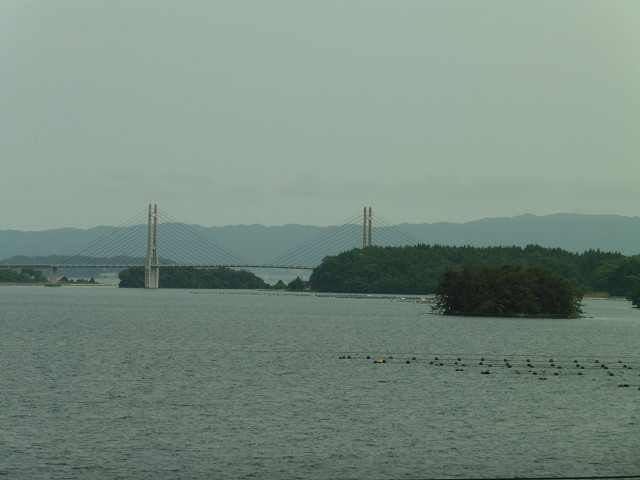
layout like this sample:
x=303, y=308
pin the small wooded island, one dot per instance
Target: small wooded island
x=507, y=291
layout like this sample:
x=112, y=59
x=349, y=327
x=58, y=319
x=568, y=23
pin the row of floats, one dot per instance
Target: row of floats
x=539, y=367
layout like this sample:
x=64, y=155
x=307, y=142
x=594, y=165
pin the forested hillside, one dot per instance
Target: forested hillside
x=419, y=269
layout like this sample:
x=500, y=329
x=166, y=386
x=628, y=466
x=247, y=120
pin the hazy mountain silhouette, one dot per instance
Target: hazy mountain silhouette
x=258, y=243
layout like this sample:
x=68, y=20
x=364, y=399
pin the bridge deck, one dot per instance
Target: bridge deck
x=14, y=266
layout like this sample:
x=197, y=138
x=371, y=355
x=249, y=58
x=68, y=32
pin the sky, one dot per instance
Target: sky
x=276, y=112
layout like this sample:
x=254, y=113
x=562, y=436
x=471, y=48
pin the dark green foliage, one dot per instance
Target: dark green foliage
x=507, y=291
x=26, y=275
x=379, y=270
x=419, y=269
x=617, y=276
x=191, y=277
x=296, y=285
x=634, y=296
x=132, y=278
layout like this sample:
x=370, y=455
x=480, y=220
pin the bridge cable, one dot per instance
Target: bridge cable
x=190, y=245
x=397, y=232
x=104, y=244
x=342, y=239
x=200, y=242
x=314, y=242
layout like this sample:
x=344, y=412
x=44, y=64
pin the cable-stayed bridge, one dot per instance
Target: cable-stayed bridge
x=155, y=240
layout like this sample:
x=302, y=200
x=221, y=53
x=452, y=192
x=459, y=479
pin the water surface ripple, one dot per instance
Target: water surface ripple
x=112, y=383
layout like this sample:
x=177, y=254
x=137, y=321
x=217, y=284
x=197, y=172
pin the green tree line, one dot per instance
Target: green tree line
x=191, y=277
x=26, y=275
x=420, y=269
x=209, y=278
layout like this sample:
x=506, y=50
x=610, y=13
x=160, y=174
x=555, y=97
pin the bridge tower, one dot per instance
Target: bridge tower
x=152, y=268
x=367, y=228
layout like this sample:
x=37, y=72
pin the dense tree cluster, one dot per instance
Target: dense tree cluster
x=419, y=269
x=296, y=285
x=634, y=296
x=26, y=275
x=210, y=278
x=408, y=270
x=508, y=291
x=191, y=277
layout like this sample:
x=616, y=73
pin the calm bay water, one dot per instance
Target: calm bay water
x=100, y=382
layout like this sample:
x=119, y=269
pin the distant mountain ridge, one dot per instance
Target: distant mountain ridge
x=571, y=232
x=258, y=243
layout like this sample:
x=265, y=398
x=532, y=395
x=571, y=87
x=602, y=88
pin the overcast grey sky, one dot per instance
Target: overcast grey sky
x=275, y=112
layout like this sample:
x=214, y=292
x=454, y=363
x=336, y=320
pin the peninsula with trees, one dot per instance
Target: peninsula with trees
x=420, y=269
x=513, y=281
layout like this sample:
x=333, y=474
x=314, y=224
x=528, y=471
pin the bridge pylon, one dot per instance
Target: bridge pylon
x=152, y=267
x=367, y=228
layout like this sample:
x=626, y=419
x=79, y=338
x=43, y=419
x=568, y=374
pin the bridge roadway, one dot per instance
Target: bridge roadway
x=53, y=268
x=39, y=266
